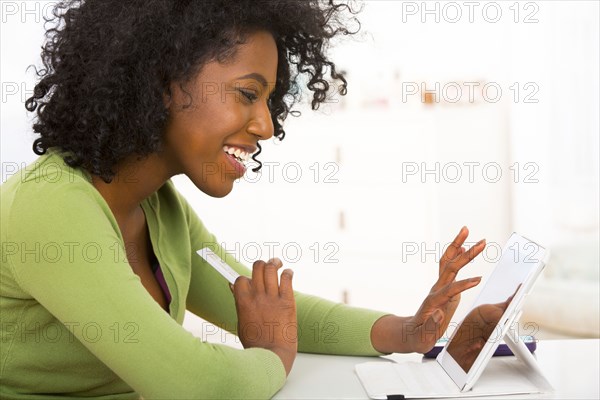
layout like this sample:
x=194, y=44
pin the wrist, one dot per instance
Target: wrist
x=287, y=357
x=393, y=334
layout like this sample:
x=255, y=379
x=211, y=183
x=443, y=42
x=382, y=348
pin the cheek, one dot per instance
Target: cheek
x=203, y=130
x=212, y=120
x=178, y=134
x=185, y=129
x=223, y=118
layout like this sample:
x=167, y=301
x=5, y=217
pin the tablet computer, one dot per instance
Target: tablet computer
x=496, y=308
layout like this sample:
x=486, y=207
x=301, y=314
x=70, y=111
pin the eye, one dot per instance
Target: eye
x=252, y=97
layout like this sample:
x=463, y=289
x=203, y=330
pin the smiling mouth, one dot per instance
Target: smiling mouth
x=237, y=158
x=239, y=155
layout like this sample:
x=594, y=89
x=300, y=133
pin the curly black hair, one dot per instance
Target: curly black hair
x=109, y=63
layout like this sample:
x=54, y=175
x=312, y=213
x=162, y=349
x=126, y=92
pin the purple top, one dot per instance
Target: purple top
x=160, y=278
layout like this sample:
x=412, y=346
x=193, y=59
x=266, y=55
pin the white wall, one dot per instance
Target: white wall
x=560, y=133
x=21, y=36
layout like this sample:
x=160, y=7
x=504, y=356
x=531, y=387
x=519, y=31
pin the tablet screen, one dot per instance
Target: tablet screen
x=518, y=260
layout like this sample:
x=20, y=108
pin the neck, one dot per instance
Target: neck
x=135, y=180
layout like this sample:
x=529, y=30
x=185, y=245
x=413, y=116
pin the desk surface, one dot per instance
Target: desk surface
x=571, y=366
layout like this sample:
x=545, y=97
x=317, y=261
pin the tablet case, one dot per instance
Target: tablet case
x=501, y=376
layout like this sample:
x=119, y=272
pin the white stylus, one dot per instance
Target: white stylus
x=217, y=263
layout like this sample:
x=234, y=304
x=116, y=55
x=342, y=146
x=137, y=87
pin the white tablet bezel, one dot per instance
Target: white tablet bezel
x=464, y=380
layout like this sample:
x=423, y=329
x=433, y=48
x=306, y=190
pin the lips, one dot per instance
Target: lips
x=238, y=155
x=237, y=164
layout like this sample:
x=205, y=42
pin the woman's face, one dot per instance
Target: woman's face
x=228, y=114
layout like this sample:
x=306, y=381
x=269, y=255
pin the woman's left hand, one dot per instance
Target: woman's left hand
x=420, y=332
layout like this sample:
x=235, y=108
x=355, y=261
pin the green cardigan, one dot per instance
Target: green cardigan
x=76, y=321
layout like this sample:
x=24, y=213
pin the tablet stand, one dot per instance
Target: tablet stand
x=520, y=350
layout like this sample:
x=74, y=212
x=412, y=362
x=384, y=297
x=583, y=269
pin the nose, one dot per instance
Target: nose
x=261, y=124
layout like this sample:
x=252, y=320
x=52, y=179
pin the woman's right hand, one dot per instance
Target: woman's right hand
x=266, y=311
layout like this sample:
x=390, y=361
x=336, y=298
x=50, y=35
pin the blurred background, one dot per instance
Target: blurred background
x=484, y=114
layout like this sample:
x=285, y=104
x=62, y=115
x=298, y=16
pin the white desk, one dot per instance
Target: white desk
x=571, y=366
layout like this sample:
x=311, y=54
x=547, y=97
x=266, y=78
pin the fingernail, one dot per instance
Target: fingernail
x=289, y=272
x=437, y=316
x=476, y=279
x=481, y=241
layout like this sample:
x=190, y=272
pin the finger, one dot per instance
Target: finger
x=451, y=270
x=458, y=287
x=444, y=295
x=473, y=251
x=458, y=254
x=285, y=288
x=271, y=278
x=454, y=247
x=435, y=320
x=467, y=256
x=258, y=272
x=241, y=287
x=430, y=331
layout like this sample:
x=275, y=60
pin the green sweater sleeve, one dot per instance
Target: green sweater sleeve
x=323, y=326
x=65, y=253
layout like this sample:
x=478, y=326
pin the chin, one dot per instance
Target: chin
x=216, y=185
x=218, y=195
x=216, y=192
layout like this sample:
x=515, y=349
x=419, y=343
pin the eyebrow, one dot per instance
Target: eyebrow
x=261, y=79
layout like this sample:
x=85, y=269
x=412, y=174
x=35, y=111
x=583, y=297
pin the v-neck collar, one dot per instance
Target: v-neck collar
x=154, y=233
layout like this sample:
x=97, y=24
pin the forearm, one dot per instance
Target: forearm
x=327, y=327
x=391, y=334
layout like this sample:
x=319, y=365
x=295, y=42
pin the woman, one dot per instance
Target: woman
x=99, y=262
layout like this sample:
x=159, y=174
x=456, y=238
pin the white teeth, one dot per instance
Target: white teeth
x=239, y=154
